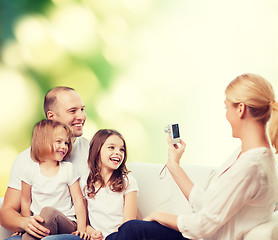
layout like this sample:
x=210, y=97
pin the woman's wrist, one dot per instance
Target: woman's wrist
x=172, y=165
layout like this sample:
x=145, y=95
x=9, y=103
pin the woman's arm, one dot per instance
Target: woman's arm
x=166, y=219
x=26, y=199
x=79, y=206
x=175, y=153
x=130, y=206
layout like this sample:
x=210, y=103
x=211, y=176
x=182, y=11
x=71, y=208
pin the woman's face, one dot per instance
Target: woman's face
x=112, y=153
x=232, y=117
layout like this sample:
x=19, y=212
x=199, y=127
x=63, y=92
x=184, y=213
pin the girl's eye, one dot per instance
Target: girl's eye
x=58, y=141
x=111, y=147
x=122, y=150
x=67, y=143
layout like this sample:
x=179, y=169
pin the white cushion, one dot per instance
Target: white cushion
x=154, y=193
x=265, y=231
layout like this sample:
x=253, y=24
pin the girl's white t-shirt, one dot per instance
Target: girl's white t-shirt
x=106, y=208
x=51, y=191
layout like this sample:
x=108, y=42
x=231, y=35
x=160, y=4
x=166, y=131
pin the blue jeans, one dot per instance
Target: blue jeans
x=62, y=237
x=16, y=237
x=51, y=237
x=143, y=230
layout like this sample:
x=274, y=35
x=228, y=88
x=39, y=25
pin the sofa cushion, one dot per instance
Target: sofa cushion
x=268, y=230
x=154, y=192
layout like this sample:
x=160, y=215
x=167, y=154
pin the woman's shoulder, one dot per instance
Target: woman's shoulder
x=258, y=155
x=257, y=161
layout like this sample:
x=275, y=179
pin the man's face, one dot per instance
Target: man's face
x=69, y=109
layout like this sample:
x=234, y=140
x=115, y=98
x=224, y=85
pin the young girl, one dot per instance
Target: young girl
x=110, y=191
x=50, y=187
x=242, y=194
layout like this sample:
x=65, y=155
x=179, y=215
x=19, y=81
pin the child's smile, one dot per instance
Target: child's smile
x=112, y=153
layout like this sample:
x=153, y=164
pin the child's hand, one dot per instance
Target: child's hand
x=81, y=234
x=17, y=233
x=94, y=234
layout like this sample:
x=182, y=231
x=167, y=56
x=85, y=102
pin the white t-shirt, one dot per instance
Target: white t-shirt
x=51, y=191
x=78, y=158
x=106, y=208
x=240, y=196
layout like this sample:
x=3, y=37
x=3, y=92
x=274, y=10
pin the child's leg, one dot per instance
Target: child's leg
x=56, y=221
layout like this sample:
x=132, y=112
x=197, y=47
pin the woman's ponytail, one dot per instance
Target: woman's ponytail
x=273, y=125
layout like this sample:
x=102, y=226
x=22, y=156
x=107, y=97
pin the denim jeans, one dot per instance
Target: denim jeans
x=143, y=230
x=16, y=237
x=51, y=237
x=62, y=237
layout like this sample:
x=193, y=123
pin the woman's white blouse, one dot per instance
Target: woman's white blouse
x=236, y=200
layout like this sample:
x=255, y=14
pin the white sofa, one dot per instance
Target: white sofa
x=163, y=195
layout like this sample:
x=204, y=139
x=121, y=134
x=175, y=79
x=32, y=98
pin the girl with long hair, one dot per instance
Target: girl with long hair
x=110, y=191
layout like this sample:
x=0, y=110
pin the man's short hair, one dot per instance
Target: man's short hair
x=51, y=97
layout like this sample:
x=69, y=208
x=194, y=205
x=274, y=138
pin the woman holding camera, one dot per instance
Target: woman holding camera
x=243, y=193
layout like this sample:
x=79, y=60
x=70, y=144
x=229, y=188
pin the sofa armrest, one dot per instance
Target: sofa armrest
x=4, y=233
x=265, y=231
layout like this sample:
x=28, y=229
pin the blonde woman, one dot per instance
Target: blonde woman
x=243, y=193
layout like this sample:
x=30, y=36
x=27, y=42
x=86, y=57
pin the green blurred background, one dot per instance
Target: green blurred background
x=137, y=64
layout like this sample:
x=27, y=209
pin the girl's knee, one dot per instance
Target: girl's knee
x=49, y=213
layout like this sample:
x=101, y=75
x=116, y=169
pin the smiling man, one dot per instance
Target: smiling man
x=62, y=104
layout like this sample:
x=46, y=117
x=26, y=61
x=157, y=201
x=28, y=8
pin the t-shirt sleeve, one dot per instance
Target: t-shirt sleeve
x=28, y=173
x=21, y=163
x=132, y=184
x=72, y=173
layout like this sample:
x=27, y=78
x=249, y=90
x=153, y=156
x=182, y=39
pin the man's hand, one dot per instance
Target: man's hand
x=32, y=226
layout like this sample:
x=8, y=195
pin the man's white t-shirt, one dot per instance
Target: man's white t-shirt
x=78, y=158
x=106, y=208
x=51, y=191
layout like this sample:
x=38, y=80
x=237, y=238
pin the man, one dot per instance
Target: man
x=61, y=104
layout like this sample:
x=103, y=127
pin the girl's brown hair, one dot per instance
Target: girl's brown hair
x=42, y=139
x=117, y=180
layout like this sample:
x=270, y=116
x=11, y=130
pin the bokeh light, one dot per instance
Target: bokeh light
x=137, y=65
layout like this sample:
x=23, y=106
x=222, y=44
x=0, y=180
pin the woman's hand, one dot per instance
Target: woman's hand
x=165, y=219
x=151, y=217
x=175, y=151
